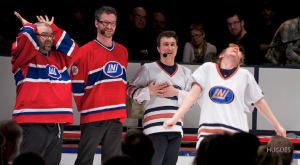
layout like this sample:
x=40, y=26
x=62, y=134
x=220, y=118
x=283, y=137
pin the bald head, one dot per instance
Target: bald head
x=139, y=17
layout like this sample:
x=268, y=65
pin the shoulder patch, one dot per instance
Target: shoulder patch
x=74, y=70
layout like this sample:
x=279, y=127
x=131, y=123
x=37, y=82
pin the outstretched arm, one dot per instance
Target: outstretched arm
x=187, y=103
x=265, y=110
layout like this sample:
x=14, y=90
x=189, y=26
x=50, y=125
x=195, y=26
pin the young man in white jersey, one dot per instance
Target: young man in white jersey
x=161, y=87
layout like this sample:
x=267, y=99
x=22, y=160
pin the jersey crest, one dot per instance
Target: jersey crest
x=221, y=95
x=113, y=69
x=53, y=71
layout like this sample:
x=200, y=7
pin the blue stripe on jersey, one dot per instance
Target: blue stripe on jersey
x=78, y=87
x=158, y=124
x=220, y=125
x=65, y=44
x=42, y=73
x=100, y=76
x=19, y=76
x=42, y=113
x=160, y=108
x=103, y=110
x=31, y=32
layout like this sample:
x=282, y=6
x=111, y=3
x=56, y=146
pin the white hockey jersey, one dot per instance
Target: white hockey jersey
x=224, y=101
x=158, y=110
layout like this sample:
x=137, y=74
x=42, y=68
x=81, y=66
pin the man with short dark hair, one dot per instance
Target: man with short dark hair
x=161, y=86
x=99, y=89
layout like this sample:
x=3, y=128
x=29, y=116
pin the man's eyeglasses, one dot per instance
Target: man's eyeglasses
x=196, y=35
x=234, y=23
x=44, y=36
x=106, y=23
x=140, y=17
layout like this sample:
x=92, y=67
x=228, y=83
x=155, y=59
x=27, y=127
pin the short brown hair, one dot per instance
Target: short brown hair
x=168, y=34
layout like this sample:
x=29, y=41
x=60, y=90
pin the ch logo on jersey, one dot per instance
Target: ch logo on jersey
x=174, y=97
x=221, y=95
x=113, y=69
x=53, y=71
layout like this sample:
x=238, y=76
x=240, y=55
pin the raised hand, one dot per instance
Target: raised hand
x=46, y=20
x=23, y=21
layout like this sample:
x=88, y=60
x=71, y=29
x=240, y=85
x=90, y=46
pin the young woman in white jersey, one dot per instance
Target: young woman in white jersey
x=227, y=92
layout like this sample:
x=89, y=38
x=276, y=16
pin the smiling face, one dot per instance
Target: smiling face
x=168, y=45
x=106, y=23
x=235, y=25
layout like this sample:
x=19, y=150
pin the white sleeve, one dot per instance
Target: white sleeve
x=182, y=93
x=253, y=93
x=138, y=88
x=199, y=75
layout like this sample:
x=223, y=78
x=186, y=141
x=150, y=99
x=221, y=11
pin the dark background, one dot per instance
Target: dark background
x=179, y=15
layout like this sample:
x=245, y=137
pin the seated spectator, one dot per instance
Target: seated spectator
x=249, y=44
x=198, y=50
x=223, y=145
x=30, y=158
x=264, y=157
x=138, y=146
x=10, y=140
x=120, y=160
x=249, y=143
x=77, y=29
x=136, y=38
x=285, y=46
x=283, y=146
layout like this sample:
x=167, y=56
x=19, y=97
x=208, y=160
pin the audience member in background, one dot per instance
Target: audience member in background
x=286, y=43
x=265, y=157
x=266, y=27
x=137, y=39
x=10, y=139
x=198, y=50
x=221, y=145
x=29, y=158
x=283, y=146
x=138, y=146
x=249, y=143
x=250, y=45
x=120, y=160
x=77, y=28
x=158, y=24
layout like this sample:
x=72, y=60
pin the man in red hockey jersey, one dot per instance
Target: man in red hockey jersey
x=99, y=89
x=44, y=96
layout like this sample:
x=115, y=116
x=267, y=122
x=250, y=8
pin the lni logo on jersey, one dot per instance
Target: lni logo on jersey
x=221, y=95
x=53, y=71
x=113, y=69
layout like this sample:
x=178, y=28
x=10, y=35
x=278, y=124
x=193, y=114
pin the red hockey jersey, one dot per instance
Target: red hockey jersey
x=43, y=83
x=99, y=82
